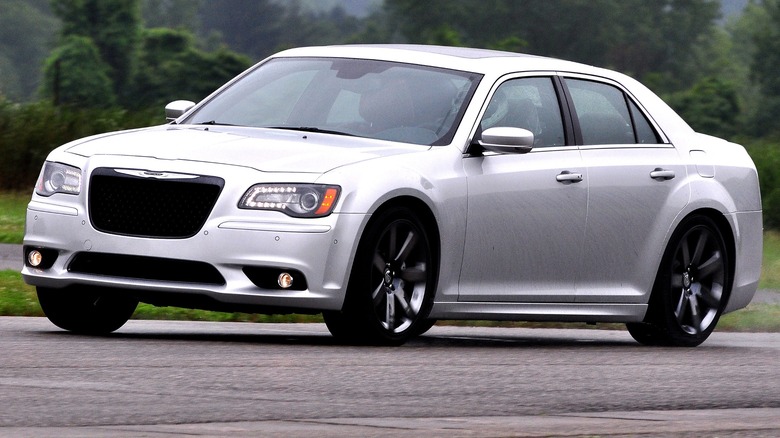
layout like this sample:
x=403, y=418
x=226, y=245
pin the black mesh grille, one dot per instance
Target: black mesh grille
x=145, y=268
x=151, y=207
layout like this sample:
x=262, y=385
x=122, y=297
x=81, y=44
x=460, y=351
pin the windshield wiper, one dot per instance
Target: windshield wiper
x=311, y=129
x=215, y=123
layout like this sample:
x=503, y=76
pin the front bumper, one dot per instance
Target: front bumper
x=232, y=243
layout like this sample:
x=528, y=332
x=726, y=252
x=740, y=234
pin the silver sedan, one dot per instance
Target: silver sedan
x=388, y=187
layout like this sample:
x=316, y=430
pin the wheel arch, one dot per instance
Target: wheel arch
x=424, y=212
x=426, y=215
x=726, y=230
x=354, y=321
x=669, y=319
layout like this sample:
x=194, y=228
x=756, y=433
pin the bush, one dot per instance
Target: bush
x=29, y=132
x=766, y=156
x=76, y=75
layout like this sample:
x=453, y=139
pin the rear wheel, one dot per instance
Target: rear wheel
x=86, y=310
x=392, y=282
x=691, y=288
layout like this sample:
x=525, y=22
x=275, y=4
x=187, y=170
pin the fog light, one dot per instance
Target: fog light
x=285, y=280
x=34, y=258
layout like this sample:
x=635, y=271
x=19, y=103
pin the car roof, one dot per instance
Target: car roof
x=482, y=61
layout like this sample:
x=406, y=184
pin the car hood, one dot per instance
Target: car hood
x=268, y=150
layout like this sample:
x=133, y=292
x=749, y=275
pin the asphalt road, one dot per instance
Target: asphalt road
x=163, y=378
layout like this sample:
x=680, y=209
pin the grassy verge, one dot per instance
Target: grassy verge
x=17, y=298
x=753, y=318
x=770, y=268
x=12, y=211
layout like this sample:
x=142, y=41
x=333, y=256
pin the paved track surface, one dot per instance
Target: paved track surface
x=163, y=378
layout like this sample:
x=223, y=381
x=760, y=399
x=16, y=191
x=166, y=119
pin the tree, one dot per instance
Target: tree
x=26, y=32
x=76, y=75
x=113, y=25
x=647, y=39
x=656, y=41
x=764, y=68
x=253, y=27
x=172, y=67
x=711, y=106
x=175, y=14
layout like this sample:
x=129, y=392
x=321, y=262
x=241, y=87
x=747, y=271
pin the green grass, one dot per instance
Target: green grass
x=753, y=318
x=770, y=269
x=12, y=213
x=19, y=299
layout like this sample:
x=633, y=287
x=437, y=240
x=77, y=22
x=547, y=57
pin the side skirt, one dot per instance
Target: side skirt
x=552, y=312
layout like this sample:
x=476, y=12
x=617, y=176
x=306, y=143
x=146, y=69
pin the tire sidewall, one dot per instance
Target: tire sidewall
x=359, y=302
x=663, y=300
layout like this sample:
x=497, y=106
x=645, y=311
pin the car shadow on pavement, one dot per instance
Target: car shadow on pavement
x=462, y=339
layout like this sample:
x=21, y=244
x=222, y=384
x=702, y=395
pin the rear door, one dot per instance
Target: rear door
x=637, y=186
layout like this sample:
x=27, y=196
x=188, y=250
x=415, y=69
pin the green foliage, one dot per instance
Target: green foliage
x=113, y=26
x=173, y=68
x=17, y=298
x=766, y=156
x=13, y=206
x=26, y=33
x=76, y=75
x=29, y=132
x=765, y=67
x=638, y=37
x=259, y=28
x=174, y=14
x=711, y=106
x=770, y=268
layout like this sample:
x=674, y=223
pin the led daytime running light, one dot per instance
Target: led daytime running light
x=297, y=200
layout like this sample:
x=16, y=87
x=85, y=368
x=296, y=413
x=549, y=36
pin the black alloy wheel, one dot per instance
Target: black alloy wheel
x=392, y=283
x=691, y=289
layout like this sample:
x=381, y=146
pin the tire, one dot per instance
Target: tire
x=691, y=288
x=86, y=310
x=392, y=282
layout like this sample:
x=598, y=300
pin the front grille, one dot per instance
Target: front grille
x=150, y=207
x=145, y=268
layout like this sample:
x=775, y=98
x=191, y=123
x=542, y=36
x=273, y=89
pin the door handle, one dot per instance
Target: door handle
x=662, y=174
x=568, y=177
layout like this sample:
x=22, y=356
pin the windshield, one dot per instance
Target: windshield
x=374, y=99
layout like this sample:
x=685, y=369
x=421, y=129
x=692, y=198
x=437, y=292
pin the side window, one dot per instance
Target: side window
x=644, y=131
x=606, y=116
x=528, y=103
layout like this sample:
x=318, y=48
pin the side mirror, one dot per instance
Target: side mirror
x=507, y=140
x=176, y=108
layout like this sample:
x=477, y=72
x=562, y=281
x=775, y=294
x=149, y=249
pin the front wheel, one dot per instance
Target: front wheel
x=392, y=282
x=691, y=288
x=86, y=310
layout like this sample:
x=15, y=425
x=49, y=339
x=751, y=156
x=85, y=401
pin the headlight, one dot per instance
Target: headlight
x=297, y=200
x=58, y=178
